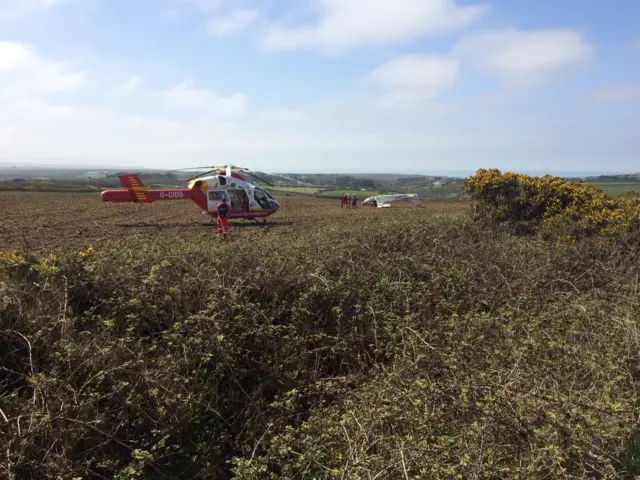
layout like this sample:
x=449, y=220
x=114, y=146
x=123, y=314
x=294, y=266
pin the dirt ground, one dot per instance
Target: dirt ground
x=51, y=221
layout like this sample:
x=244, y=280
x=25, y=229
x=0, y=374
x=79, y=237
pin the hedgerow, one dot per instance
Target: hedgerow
x=391, y=348
x=573, y=208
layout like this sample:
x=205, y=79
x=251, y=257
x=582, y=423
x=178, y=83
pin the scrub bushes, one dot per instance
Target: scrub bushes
x=550, y=204
x=392, y=347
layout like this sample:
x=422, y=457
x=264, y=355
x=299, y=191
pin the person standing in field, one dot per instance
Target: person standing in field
x=354, y=201
x=223, y=209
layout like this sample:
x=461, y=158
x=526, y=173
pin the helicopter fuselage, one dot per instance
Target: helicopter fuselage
x=247, y=201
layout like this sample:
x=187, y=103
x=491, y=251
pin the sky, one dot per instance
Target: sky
x=405, y=86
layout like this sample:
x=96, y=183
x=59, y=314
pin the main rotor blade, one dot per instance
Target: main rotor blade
x=203, y=174
x=208, y=167
x=246, y=170
x=232, y=168
x=281, y=176
x=290, y=179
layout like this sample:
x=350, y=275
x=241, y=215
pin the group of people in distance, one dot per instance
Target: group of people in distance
x=349, y=201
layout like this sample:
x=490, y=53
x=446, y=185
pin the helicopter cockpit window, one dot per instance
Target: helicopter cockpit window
x=261, y=198
x=216, y=196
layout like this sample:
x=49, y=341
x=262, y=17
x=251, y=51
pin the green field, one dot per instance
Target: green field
x=303, y=190
x=617, y=188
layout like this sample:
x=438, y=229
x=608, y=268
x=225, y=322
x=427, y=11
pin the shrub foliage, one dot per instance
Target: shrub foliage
x=396, y=348
x=572, y=207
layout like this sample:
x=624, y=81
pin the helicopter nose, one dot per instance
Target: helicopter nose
x=275, y=205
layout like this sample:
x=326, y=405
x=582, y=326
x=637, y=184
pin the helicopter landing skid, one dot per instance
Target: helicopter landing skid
x=257, y=221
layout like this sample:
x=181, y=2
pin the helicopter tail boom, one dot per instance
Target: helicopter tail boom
x=135, y=192
x=135, y=195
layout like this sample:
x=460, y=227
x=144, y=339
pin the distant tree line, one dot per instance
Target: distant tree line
x=617, y=178
x=351, y=183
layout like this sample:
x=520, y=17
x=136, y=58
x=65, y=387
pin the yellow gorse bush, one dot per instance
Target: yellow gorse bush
x=552, y=202
x=87, y=253
x=10, y=257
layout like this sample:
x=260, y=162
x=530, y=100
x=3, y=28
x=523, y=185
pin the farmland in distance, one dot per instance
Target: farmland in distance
x=618, y=188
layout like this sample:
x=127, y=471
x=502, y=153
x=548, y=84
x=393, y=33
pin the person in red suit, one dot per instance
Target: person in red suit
x=223, y=209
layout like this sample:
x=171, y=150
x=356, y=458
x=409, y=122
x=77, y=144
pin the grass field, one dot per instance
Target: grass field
x=436, y=193
x=401, y=343
x=360, y=194
x=42, y=220
x=616, y=188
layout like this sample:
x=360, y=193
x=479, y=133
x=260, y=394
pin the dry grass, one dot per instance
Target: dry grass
x=400, y=343
x=44, y=221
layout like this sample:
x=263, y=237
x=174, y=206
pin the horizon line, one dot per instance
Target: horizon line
x=446, y=173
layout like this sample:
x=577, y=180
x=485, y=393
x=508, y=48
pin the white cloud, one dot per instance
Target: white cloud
x=59, y=78
x=350, y=23
x=413, y=78
x=234, y=22
x=525, y=58
x=128, y=86
x=616, y=94
x=11, y=9
x=428, y=74
x=34, y=126
x=24, y=70
x=185, y=98
x=16, y=56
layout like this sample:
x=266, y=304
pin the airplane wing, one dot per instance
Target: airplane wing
x=386, y=199
x=382, y=201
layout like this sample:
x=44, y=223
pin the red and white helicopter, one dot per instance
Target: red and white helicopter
x=206, y=190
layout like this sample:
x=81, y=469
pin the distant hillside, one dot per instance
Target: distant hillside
x=427, y=186
x=633, y=177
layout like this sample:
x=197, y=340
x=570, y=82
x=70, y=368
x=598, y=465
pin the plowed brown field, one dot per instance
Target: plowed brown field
x=45, y=221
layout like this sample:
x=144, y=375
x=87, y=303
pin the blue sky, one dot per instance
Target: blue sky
x=322, y=85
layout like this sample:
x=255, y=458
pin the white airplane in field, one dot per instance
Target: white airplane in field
x=384, y=201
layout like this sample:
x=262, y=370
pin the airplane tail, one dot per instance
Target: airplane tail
x=133, y=183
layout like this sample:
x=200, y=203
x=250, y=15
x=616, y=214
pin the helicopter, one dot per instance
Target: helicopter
x=383, y=201
x=206, y=190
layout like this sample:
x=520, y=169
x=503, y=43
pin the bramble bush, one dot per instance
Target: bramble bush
x=391, y=347
x=550, y=204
